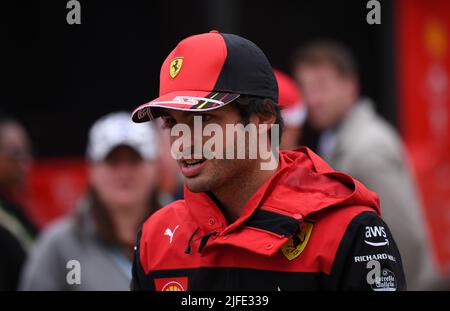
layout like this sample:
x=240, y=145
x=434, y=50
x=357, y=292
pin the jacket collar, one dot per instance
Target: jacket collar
x=209, y=216
x=303, y=185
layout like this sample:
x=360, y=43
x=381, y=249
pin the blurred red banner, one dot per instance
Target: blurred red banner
x=54, y=187
x=423, y=58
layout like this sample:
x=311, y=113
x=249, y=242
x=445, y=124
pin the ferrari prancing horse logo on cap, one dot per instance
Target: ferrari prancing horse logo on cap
x=175, y=66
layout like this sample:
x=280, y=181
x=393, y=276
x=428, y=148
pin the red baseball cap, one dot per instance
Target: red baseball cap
x=208, y=71
x=293, y=109
x=289, y=93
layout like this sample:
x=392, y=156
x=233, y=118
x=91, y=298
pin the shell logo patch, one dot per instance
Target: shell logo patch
x=178, y=284
x=295, y=246
x=173, y=287
x=175, y=66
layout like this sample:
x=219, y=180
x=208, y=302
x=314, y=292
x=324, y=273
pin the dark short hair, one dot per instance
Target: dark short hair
x=326, y=52
x=248, y=105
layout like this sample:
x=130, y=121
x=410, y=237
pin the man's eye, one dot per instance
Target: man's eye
x=168, y=123
x=206, y=117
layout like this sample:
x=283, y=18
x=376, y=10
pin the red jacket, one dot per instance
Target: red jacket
x=308, y=227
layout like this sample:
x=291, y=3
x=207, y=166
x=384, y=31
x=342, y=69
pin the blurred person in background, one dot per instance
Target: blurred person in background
x=11, y=260
x=16, y=230
x=171, y=180
x=292, y=108
x=123, y=192
x=15, y=160
x=356, y=140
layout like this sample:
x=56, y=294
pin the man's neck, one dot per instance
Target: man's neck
x=233, y=196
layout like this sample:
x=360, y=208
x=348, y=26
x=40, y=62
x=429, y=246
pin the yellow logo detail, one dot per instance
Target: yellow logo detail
x=175, y=66
x=436, y=38
x=295, y=246
x=173, y=287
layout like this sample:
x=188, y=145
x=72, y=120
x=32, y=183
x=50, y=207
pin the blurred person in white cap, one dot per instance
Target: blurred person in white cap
x=97, y=240
x=293, y=110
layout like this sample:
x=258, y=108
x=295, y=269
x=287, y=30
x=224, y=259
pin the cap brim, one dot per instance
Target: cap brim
x=294, y=116
x=183, y=100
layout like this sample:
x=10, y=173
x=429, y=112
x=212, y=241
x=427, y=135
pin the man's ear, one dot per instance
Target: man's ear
x=351, y=85
x=268, y=119
x=268, y=116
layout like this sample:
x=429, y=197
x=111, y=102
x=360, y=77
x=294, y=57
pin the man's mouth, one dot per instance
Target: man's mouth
x=191, y=167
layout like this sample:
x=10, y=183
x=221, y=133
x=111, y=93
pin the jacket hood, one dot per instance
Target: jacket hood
x=306, y=184
x=303, y=185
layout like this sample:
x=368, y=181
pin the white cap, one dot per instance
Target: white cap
x=294, y=116
x=117, y=129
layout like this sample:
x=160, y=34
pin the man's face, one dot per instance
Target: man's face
x=203, y=174
x=15, y=155
x=327, y=93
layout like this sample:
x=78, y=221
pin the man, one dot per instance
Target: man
x=355, y=140
x=15, y=158
x=297, y=225
x=16, y=230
